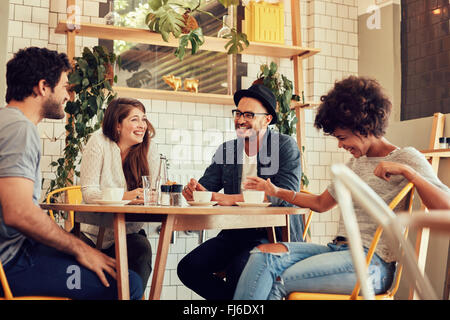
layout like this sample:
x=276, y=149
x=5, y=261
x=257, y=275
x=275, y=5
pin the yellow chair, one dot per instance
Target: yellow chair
x=9, y=296
x=73, y=196
x=308, y=221
x=389, y=295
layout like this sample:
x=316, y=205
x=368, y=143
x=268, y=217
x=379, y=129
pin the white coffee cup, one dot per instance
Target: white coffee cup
x=112, y=194
x=253, y=196
x=202, y=196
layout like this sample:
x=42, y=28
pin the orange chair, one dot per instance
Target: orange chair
x=73, y=196
x=389, y=295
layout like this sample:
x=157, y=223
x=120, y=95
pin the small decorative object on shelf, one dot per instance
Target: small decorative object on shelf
x=172, y=81
x=112, y=17
x=442, y=143
x=264, y=21
x=191, y=85
x=225, y=30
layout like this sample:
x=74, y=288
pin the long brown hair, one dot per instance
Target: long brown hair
x=136, y=162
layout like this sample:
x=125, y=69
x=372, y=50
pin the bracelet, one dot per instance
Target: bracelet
x=293, y=196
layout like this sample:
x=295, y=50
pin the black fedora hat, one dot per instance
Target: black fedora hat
x=262, y=94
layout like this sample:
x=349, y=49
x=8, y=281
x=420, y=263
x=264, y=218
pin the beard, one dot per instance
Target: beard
x=52, y=109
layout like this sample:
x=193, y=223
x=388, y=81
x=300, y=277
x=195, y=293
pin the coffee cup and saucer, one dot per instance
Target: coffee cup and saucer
x=202, y=199
x=112, y=196
x=253, y=198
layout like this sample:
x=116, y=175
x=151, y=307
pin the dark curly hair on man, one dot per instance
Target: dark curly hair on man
x=29, y=66
x=357, y=104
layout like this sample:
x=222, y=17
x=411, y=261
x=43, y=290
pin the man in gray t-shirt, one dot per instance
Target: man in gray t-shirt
x=39, y=257
x=20, y=156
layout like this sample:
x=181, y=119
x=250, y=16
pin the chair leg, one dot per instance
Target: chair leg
x=100, y=236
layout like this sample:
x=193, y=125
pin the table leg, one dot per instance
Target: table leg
x=161, y=257
x=120, y=238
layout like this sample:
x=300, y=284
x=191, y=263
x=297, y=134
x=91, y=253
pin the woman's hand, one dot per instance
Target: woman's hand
x=386, y=169
x=257, y=183
x=136, y=195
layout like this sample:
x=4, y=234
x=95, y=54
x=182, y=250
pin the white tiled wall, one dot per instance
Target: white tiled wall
x=188, y=133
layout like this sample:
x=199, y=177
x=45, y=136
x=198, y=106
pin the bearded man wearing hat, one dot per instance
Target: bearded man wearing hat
x=257, y=151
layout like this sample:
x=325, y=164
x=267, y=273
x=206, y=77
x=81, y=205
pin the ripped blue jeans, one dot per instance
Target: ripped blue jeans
x=307, y=267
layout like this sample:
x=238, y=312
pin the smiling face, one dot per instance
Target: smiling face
x=246, y=128
x=356, y=144
x=132, y=128
x=53, y=106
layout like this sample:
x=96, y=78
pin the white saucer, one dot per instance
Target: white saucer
x=201, y=204
x=249, y=204
x=113, y=202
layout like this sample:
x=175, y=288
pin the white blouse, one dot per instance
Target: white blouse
x=101, y=167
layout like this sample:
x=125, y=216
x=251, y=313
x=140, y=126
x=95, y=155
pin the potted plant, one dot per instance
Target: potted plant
x=176, y=17
x=91, y=80
x=282, y=88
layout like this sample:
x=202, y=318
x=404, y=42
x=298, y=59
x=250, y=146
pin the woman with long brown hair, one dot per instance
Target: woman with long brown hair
x=119, y=155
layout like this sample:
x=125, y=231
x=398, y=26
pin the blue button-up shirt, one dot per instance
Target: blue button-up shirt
x=277, y=159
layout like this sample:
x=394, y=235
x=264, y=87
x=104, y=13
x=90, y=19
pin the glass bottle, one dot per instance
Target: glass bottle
x=112, y=17
x=225, y=29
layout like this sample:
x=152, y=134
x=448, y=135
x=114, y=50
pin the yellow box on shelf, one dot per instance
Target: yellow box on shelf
x=264, y=22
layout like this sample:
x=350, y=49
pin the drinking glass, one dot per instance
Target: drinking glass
x=150, y=191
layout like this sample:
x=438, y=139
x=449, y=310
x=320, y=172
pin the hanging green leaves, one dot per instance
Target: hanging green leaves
x=91, y=80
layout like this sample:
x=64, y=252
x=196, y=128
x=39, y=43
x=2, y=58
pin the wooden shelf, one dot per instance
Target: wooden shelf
x=442, y=153
x=185, y=96
x=306, y=105
x=211, y=43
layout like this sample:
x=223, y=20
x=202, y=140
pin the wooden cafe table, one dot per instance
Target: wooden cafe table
x=173, y=219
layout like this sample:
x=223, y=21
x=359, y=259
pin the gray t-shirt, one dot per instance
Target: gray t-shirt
x=20, y=153
x=387, y=190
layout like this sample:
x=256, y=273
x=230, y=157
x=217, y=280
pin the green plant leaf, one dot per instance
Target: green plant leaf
x=237, y=40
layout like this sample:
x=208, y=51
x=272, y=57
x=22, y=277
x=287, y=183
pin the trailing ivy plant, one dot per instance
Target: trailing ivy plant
x=282, y=88
x=91, y=80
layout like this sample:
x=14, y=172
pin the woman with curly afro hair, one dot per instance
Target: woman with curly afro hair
x=356, y=112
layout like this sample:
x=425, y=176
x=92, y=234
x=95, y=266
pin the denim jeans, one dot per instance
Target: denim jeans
x=41, y=270
x=307, y=267
x=229, y=252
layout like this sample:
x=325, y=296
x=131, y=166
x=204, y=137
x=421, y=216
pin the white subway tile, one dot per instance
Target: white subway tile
x=15, y=28
x=40, y=15
x=58, y=6
x=31, y=30
x=22, y=13
x=20, y=43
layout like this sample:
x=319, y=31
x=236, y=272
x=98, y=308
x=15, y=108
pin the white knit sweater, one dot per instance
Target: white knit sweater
x=101, y=167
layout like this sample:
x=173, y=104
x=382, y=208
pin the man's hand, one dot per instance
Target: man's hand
x=192, y=186
x=96, y=261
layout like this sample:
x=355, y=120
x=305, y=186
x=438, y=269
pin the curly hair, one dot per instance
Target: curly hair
x=357, y=104
x=31, y=65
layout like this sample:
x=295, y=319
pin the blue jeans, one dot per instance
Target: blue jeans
x=307, y=267
x=41, y=270
x=229, y=252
